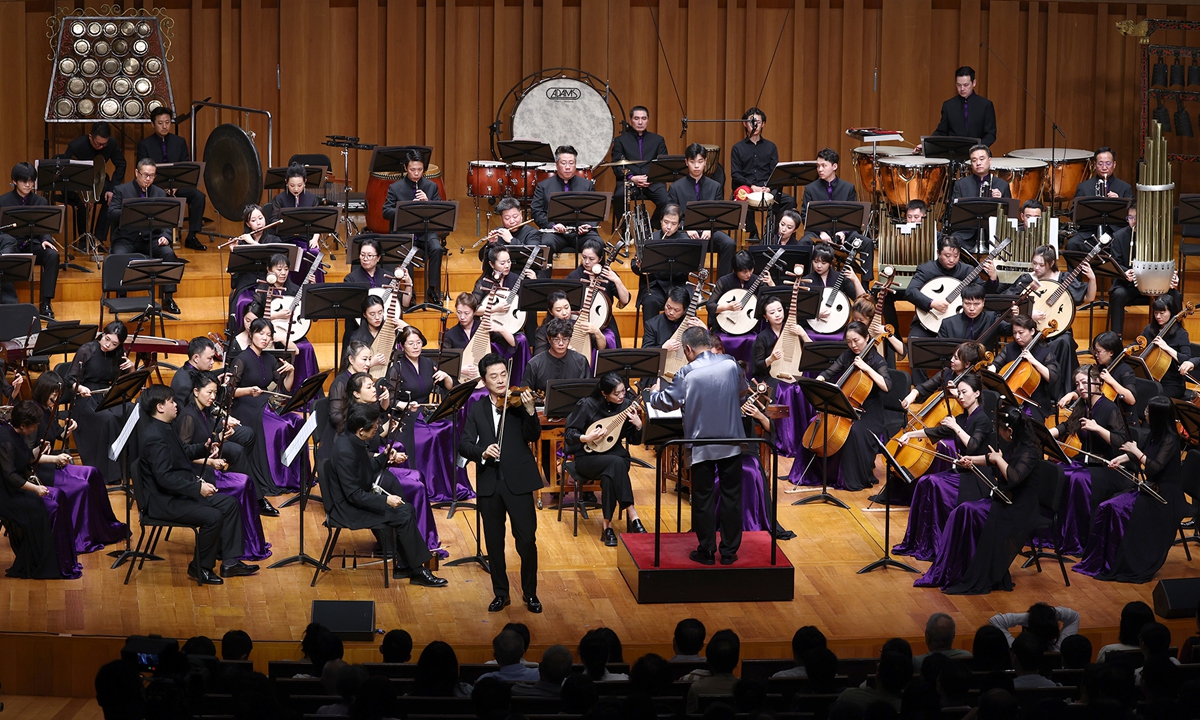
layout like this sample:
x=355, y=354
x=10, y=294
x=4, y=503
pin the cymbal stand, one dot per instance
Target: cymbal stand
x=345, y=144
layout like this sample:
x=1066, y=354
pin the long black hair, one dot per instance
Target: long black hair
x=1163, y=302
x=1016, y=421
x=1160, y=415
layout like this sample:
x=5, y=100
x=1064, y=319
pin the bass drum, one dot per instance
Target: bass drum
x=377, y=189
x=564, y=111
x=863, y=160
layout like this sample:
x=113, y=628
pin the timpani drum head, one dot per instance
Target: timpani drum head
x=562, y=111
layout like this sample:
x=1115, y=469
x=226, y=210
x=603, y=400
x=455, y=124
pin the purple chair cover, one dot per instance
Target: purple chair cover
x=414, y=492
x=519, y=356
x=1108, y=528
x=280, y=432
x=956, y=544
x=84, y=507
x=756, y=496
x=741, y=347
x=933, y=498
x=239, y=487
x=63, y=534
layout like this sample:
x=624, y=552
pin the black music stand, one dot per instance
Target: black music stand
x=535, y=296
x=563, y=395
x=792, y=256
x=422, y=217
x=33, y=222
x=578, y=208
x=393, y=247
x=64, y=176
x=797, y=173
x=173, y=176
x=452, y=401
x=995, y=383
x=391, y=158
x=973, y=215
x=631, y=362
x=276, y=178
x=152, y=273
x=899, y=470
x=124, y=390
x=17, y=267
x=333, y=301
x=676, y=258
x=714, y=215
x=299, y=401
x=62, y=339
x=525, y=151
x=808, y=306
x=955, y=148
x=1094, y=211
x=834, y=216
x=666, y=169
x=827, y=399
x=309, y=221
x=1003, y=303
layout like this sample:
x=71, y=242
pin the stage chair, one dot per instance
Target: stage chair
x=1050, y=478
x=331, y=496
x=110, y=284
x=578, y=485
x=156, y=527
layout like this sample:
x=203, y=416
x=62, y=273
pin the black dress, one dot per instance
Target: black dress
x=254, y=370
x=981, y=428
x=858, y=454
x=97, y=430
x=25, y=515
x=764, y=345
x=1044, y=394
x=1172, y=382
x=1150, y=532
x=612, y=465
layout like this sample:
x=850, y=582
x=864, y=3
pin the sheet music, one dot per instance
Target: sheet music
x=654, y=413
x=300, y=441
x=115, y=451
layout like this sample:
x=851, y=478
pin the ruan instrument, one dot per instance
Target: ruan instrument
x=295, y=327
x=1157, y=360
x=834, y=300
x=857, y=385
x=990, y=484
x=1053, y=297
x=742, y=321
x=675, y=359
x=787, y=368
x=950, y=290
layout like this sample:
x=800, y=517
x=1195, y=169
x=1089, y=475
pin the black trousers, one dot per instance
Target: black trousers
x=220, y=528
x=704, y=517
x=567, y=242
x=244, y=455
x=124, y=244
x=196, y=203
x=431, y=246
x=724, y=247
x=613, y=472
x=403, y=543
x=493, y=510
x=48, y=258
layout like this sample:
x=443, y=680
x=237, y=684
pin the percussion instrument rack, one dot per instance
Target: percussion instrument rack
x=345, y=144
x=1147, y=91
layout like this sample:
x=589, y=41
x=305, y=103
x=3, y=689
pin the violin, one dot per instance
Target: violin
x=857, y=385
x=512, y=397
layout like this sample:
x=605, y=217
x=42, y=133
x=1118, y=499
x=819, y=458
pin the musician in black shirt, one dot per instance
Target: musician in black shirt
x=656, y=285
x=558, y=361
x=827, y=186
x=512, y=231
x=975, y=322
x=1040, y=357
x=166, y=147
x=564, y=179
x=981, y=183
x=415, y=187
x=697, y=186
x=44, y=251
x=968, y=114
x=98, y=142
x=1105, y=184
x=947, y=265
x=154, y=244
x=751, y=162
x=638, y=143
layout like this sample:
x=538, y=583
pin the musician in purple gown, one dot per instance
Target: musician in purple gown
x=415, y=378
x=86, y=513
x=97, y=365
x=37, y=527
x=500, y=275
x=611, y=285
x=741, y=347
x=610, y=466
x=786, y=392
x=257, y=372
x=560, y=307
x=296, y=196
x=230, y=472
x=260, y=304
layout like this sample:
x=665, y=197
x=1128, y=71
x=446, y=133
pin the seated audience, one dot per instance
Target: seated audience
x=939, y=637
x=507, y=648
x=396, y=647
x=1051, y=624
x=1027, y=654
x=437, y=672
x=688, y=640
x=894, y=673
x=1076, y=652
x=723, y=652
x=804, y=641
x=552, y=671
x=1133, y=617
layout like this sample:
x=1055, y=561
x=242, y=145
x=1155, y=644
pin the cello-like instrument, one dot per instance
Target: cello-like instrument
x=857, y=385
x=1021, y=377
x=1157, y=360
x=915, y=455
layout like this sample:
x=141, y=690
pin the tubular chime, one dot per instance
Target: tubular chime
x=1154, y=263
x=1024, y=242
x=905, y=251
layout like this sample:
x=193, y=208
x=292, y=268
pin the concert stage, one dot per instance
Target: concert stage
x=678, y=579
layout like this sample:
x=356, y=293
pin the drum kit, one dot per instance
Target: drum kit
x=492, y=180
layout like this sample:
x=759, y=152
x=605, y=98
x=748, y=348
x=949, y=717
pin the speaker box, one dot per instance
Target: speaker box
x=1176, y=598
x=348, y=619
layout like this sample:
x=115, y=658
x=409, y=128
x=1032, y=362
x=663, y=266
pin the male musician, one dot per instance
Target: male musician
x=506, y=476
x=1123, y=291
x=827, y=186
x=202, y=355
x=97, y=143
x=415, y=187
x=511, y=232
x=751, y=162
x=638, y=143
x=968, y=114
x=173, y=492
x=741, y=278
x=658, y=285
x=45, y=253
x=155, y=244
x=948, y=265
x=165, y=146
x=590, y=255
x=698, y=186
x=563, y=180
x=709, y=389
x=1105, y=184
x=558, y=361
x=981, y=183
x=661, y=327
x=974, y=322
x=366, y=495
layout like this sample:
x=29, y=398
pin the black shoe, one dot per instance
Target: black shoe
x=702, y=557
x=432, y=295
x=728, y=559
x=533, y=604
x=589, y=497
x=46, y=310
x=499, y=603
x=266, y=508
x=168, y=305
x=203, y=575
x=635, y=526
x=424, y=578
x=1188, y=524
x=192, y=243
x=400, y=573
x=240, y=569
x=608, y=537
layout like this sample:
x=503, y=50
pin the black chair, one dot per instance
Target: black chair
x=1143, y=390
x=578, y=486
x=16, y=320
x=331, y=496
x=901, y=383
x=1049, y=479
x=110, y=284
x=156, y=526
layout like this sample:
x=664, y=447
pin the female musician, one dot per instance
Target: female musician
x=38, y=531
x=863, y=311
x=822, y=275
x=97, y=365
x=257, y=372
x=1024, y=330
x=756, y=493
x=1133, y=532
x=81, y=496
x=1105, y=347
x=937, y=494
x=610, y=466
x=982, y=538
x=964, y=357
x=471, y=320
x=589, y=259
x=560, y=307
x=500, y=270
x=415, y=378
x=230, y=473
x=253, y=222
x=361, y=389
x=785, y=392
x=298, y=197
x=858, y=459
x=357, y=359
x=368, y=329
x=741, y=278
x=1177, y=344
x=306, y=355
x=369, y=271
x=789, y=223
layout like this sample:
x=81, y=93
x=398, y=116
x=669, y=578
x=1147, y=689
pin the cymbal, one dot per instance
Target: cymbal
x=621, y=163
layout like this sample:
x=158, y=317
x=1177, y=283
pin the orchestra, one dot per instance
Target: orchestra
x=211, y=444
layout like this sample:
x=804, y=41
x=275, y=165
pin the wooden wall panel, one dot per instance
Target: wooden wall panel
x=434, y=71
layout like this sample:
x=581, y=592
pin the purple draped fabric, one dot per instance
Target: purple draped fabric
x=787, y=432
x=956, y=544
x=1075, y=511
x=756, y=496
x=84, y=506
x=239, y=487
x=802, y=414
x=1108, y=527
x=610, y=341
x=519, y=356
x=741, y=347
x=414, y=492
x=434, y=457
x=933, y=498
x=280, y=432
x=63, y=533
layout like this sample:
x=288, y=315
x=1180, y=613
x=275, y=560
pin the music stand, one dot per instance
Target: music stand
x=333, y=301
x=124, y=390
x=631, y=362
x=578, y=208
x=995, y=383
x=62, y=338
x=1003, y=303
x=666, y=169
x=808, y=306
x=563, y=395
x=827, y=399
x=64, y=176
x=420, y=218
x=255, y=258
x=525, y=151
x=17, y=267
x=309, y=221
x=450, y=362
x=932, y=353
x=1049, y=444
x=172, y=176
x=393, y=247
x=535, y=297
x=1096, y=211
x=299, y=400
x=32, y=223
x=276, y=178
x=714, y=215
x=887, y=560
x=390, y=158
x=834, y=216
x=452, y=401
x=151, y=273
x=792, y=256
x=676, y=258
x=793, y=174
x=955, y=148
x=974, y=215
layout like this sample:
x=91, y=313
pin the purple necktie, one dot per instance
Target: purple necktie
x=143, y=192
x=697, y=189
x=965, y=106
x=641, y=155
x=566, y=186
x=164, y=146
x=829, y=187
x=971, y=328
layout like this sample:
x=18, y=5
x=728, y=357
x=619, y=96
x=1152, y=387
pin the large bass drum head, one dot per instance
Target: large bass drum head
x=561, y=111
x=233, y=174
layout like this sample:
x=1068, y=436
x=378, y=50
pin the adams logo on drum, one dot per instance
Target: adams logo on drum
x=563, y=93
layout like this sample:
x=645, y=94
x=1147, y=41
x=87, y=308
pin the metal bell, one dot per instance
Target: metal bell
x=1158, y=76
x=1177, y=73
x=1162, y=116
x=1183, y=122
x=1193, y=73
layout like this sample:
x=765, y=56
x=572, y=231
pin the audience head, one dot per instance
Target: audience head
x=593, y=653
x=897, y=645
x=954, y=681
x=1110, y=681
x=650, y=675
x=349, y=682
x=1134, y=616
x=939, y=632
x=1027, y=652
x=1154, y=639
x=119, y=691
x=998, y=704
x=723, y=651
x=396, y=647
x=1160, y=678
x=376, y=700
x=328, y=647
x=491, y=698
x=1043, y=623
x=507, y=648
x=989, y=650
x=578, y=693
x=1076, y=652
x=555, y=665
x=437, y=670
x=894, y=673
x=821, y=664
x=749, y=696
x=236, y=645
x=523, y=630
x=615, y=653
x=199, y=645
x=805, y=640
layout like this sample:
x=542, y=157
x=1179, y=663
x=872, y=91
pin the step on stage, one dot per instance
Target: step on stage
x=677, y=579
